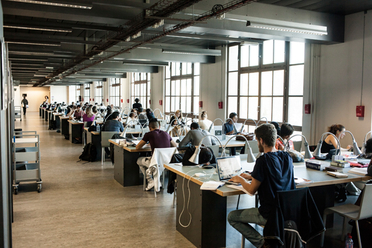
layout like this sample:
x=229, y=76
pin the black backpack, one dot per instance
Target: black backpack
x=89, y=153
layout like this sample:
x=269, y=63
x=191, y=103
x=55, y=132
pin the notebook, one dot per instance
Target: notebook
x=228, y=167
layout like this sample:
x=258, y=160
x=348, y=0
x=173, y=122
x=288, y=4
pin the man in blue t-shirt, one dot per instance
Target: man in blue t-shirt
x=272, y=172
x=157, y=139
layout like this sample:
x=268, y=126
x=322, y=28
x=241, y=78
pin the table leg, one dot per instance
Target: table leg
x=208, y=210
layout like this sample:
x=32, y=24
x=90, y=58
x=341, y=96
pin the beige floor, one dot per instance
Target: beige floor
x=81, y=205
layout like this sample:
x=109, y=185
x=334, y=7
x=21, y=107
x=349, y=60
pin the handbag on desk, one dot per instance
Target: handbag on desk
x=248, y=136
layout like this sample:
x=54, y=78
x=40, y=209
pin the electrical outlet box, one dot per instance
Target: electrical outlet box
x=220, y=105
x=307, y=109
x=360, y=111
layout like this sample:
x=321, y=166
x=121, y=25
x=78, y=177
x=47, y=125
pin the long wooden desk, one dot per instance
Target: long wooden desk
x=94, y=137
x=64, y=126
x=208, y=208
x=56, y=117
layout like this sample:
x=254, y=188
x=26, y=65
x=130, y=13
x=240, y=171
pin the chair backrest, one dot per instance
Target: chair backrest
x=366, y=202
x=162, y=156
x=105, y=136
x=297, y=145
x=215, y=149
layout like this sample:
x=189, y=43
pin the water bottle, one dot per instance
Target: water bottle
x=349, y=241
x=98, y=128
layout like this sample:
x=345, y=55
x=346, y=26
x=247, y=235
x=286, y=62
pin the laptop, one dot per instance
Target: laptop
x=228, y=167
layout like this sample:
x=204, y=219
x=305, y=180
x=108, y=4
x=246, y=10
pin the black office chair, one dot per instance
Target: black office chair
x=296, y=218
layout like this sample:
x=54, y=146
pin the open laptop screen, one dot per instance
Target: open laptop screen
x=228, y=167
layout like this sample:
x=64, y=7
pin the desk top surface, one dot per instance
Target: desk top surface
x=76, y=122
x=318, y=178
x=64, y=117
x=146, y=148
x=26, y=140
x=57, y=114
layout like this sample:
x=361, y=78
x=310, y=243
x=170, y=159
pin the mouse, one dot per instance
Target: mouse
x=207, y=166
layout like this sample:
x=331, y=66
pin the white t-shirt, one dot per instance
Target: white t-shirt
x=205, y=124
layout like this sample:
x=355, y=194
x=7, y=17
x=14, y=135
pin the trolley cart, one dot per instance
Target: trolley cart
x=26, y=159
x=18, y=112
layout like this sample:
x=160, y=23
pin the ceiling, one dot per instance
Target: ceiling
x=57, y=44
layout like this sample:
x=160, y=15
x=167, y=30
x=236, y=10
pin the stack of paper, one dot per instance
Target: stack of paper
x=239, y=188
x=211, y=185
x=359, y=171
x=337, y=174
x=299, y=181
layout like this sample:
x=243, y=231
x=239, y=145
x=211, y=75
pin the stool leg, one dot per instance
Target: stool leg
x=358, y=232
x=237, y=205
x=102, y=155
x=323, y=233
x=243, y=242
x=343, y=229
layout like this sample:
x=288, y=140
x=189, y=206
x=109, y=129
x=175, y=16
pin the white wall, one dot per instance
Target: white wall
x=58, y=94
x=339, y=87
x=17, y=96
x=157, y=90
x=35, y=96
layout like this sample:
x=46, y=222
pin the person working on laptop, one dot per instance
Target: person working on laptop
x=230, y=129
x=157, y=139
x=272, y=172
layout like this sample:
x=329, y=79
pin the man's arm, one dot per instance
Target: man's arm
x=250, y=187
x=140, y=144
x=173, y=144
x=185, y=140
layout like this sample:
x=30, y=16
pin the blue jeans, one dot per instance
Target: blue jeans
x=239, y=219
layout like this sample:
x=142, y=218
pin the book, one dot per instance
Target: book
x=337, y=174
x=340, y=163
x=358, y=171
x=239, y=188
x=313, y=164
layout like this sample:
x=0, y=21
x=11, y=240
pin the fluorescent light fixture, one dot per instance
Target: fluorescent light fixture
x=67, y=5
x=249, y=43
x=295, y=28
x=136, y=35
x=33, y=44
x=146, y=64
x=158, y=24
x=39, y=29
x=208, y=52
x=22, y=59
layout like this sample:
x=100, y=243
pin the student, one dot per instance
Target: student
x=330, y=142
x=157, y=139
x=108, y=114
x=285, y=132
x=132, y=117
x=272, y=172
x=114, y=124
x=229, y=129
x=24, y=104
x=88, y=116
x=176, y=130
x=150, y=115
x=195, y=135
x=78, y=114
x=137, y=104
x=177, y=116
x=204, y=123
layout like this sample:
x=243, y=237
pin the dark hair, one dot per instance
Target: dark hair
x=148, y=111
x=203, y=113
x=115, y=115
x=94, y=109
x=277, y=127
x=153, y=123
x=136, y=100
x=369, y=146
x=232, y=115
x=334, y=128
x=267, y=133
x=194, y=125
x=140, y=110
x=205, y=155
x=132, y=114
x=286, y=130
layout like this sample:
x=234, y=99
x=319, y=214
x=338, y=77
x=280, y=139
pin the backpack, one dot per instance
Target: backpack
x=89, y=153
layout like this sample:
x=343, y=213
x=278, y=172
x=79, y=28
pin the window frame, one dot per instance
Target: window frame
x=141, y=80
x=115, y=98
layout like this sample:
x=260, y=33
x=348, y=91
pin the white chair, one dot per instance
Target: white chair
x=160, y=157
x=105, y=136
x=351, y=211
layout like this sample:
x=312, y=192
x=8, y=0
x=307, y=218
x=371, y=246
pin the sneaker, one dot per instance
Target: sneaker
x=150, y=185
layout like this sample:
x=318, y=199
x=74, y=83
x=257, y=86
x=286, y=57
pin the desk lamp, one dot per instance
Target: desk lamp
x=223, y=128
x=356, y=149
x=160, y=113
x=365, y=142
x=261, y=119
x=255, y=123
x=195, y=157
x=124, y=133
x=307, y=148
x=317, y=153
x=250, y=157
x=236, y=131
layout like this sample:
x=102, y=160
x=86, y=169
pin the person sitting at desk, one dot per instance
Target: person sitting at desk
x=114, y=124
x=177, y=119
x=204, y=123
x=195, y=135
x=272, y=172
x=330, y=142
x=150, y=115
x=88, y=117
x=78, y=114
x=285, y=132
x=108, y=114
x=230, y=129
x=157, y=139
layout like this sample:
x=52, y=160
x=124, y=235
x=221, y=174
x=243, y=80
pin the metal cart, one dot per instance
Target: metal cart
x=26, y=159
x=18, y=112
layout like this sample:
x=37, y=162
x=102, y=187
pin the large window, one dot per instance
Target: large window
x=115, y=91
x=266, y=80
x=78, y=94
x=182, y=83
x=86, y=93
x=98, y=96
x=141, y=88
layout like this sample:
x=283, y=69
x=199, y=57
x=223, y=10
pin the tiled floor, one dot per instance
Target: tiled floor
x=81, y=205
